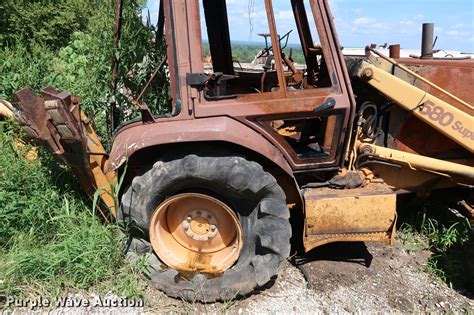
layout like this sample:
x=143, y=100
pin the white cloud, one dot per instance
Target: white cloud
x=457, y=33
x=284, y=15
x=407, y=23
x=459, y=25
x=364, y=21
x=419, y=17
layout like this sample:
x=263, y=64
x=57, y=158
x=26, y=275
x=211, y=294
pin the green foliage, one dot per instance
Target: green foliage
x=139, y=57
x=49, y=23
x=445, y=235
x=71, y=50
x=83, y=68
x=49, y=237
x=20, y=67
x=410, y=239
x=247, y=52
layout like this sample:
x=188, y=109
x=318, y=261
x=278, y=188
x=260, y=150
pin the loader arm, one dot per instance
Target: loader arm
x=444, y=117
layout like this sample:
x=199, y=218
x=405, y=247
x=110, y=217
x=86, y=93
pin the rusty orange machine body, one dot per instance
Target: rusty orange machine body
x=340, y=145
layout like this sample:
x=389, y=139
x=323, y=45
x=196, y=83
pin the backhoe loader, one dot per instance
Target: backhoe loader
x=210, y=188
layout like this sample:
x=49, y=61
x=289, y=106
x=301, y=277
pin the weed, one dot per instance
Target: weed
x=435, y=229
x=441, y=236
x=227, y=304
x=50, y=240
x=411, y=240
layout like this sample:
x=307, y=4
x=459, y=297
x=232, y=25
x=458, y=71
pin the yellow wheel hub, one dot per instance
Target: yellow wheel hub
x=197, y=233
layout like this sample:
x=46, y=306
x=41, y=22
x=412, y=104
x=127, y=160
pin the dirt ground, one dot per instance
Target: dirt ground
x=367, y=278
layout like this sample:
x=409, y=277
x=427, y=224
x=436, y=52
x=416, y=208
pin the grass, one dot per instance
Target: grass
x=51, y=241
x=412, y=241
x=434, y=228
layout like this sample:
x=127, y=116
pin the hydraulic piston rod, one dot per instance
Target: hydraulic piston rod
x=419, y=162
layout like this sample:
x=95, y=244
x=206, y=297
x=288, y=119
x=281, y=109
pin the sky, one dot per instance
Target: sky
x=361, y=22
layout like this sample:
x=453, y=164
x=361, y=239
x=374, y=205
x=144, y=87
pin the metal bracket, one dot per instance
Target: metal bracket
x=327, y=105
x=196, y=80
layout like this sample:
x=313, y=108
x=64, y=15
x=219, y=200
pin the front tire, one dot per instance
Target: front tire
x=244, y=187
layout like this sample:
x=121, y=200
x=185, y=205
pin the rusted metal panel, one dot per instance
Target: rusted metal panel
x=139, y=136
x=455, y=76
x=362, y=214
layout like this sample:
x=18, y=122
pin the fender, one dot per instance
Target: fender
x=135, y=137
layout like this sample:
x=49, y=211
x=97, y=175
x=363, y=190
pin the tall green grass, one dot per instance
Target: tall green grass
x=50, y=239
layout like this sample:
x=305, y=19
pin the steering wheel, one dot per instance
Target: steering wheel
x=280, y=39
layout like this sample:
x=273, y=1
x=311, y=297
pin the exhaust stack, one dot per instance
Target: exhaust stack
x=427, y=41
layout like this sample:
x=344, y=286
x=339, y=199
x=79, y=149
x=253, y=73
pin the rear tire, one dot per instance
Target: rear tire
x=254, y=196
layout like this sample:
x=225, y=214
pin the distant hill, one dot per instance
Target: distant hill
x=244, y=51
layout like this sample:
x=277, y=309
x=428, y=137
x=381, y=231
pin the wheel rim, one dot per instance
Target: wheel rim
x=197, y=233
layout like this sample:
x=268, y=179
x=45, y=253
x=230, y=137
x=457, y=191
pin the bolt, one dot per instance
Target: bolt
x=188, y=218
x=185, y=225
x=209, y=216
x=213, y=227
x=368, y=73
x=190, y=234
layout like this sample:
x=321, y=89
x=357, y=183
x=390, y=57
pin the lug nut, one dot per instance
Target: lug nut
x=198, y=213
x=185, y=225
x=209, y=216
x=213, y=227
x=189, y=218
